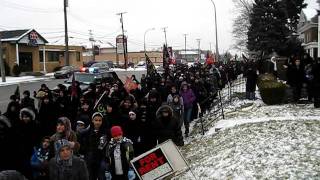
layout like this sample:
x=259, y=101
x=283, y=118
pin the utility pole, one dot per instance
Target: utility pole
x=185, y=46
x=66, y=39
x=123, y=43
x=319, y=34
x=216, y=29
x=199, y=56
x=91, y=39
x=165, y=35
x=210, y=48
x=3, y=71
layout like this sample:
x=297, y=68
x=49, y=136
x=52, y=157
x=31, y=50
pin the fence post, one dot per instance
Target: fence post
x=221, y=104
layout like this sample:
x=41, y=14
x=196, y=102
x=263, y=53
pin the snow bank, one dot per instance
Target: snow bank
x=270, y=150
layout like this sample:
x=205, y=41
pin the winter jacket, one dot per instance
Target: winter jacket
x=13, y=116
x=77, y=170
x=296, y=76
x=165, y=128
x=28, y=102
x=252, y=77
x=126, y=155
x=89, y=148
x=39, y=162
x=68, y=135
x=47, y=118
x=188, y=98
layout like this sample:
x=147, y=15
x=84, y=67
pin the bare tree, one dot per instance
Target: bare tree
x=241, y=23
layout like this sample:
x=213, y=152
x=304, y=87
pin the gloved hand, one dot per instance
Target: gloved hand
x=108, y=175
x=131, y=174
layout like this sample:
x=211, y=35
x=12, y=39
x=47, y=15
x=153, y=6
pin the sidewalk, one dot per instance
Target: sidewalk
x=16, y=80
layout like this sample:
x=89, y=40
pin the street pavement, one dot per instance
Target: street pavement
x=7, y=91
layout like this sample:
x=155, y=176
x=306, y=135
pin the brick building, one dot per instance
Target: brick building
x=30, y=51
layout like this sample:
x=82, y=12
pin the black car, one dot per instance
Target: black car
x=65, y=72
x=85, y=78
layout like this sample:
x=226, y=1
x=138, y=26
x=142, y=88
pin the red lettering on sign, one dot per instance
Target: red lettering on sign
x=150, y=162
x=160, y=160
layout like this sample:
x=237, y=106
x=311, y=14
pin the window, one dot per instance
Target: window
x=78, y=56
x=315, y=53
x=53, y=56
x=40, y=56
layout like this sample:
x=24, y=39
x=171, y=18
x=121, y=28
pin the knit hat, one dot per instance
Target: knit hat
x=116, y=131
x=59, y=144
x=96, y=114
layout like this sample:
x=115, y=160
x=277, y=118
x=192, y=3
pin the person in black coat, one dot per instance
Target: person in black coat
x=13, y=110
x=132, y=130
x=84, y=114
x=26, y=132
x=153, y=104
x=62, y=103
x=27, y=101
x=296, y=77
x=167, y=126
x=47, y=116
x=251, y=83
x=89, y=145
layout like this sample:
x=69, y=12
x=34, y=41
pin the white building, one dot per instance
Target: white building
x=308, y=31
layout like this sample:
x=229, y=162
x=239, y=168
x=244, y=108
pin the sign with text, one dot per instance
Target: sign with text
x=152, y=165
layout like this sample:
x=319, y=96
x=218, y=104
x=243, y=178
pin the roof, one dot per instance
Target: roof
x=13, y=34
x=17, y=35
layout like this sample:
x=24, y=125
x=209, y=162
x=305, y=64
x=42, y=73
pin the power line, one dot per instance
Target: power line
x=29, y=9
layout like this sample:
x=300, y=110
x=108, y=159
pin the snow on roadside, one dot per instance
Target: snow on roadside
x=256, y=141
x=15, y=80
x=270, y=150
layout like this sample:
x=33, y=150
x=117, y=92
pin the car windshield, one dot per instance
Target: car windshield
x=66, y=68
x=99, y=65
x=84, y=78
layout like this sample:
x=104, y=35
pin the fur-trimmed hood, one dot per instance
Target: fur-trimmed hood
x=28, y=112
x=164, y=107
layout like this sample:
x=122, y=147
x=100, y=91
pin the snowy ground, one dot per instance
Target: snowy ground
x=15, y=80
x=256, y=141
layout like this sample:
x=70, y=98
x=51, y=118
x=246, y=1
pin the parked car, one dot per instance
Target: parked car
x=100, y=66
x=141, y=64
x=65, y=72
x=87, y=78
x=110, y=63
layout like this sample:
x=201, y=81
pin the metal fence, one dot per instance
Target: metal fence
x=220, y=100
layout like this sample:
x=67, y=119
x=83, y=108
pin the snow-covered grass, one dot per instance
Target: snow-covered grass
x=266, y=150
x=256, y=141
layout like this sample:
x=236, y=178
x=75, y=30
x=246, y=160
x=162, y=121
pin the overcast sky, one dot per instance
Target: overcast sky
x=192, y=17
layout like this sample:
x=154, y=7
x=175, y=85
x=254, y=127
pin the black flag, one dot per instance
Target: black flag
x=17, y=92
x=151, y=69
x=166, y=59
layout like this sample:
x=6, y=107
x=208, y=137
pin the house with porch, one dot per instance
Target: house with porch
x=308, y=32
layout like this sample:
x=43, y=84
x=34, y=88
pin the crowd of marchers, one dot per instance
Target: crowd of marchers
x=70, y=134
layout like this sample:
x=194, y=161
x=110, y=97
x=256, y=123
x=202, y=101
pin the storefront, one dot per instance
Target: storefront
x=30, y=51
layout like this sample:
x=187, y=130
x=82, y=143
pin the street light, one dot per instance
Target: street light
x=216, y=26
x=144, y=38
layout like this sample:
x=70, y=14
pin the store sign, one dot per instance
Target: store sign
x=119, y=43
x=33, y=38
x=152, y=165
